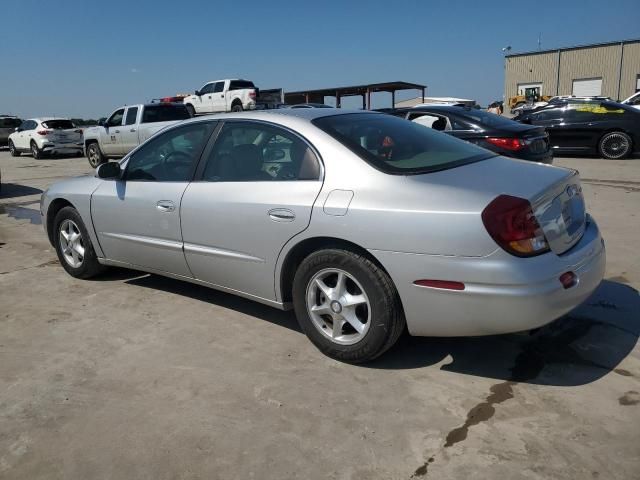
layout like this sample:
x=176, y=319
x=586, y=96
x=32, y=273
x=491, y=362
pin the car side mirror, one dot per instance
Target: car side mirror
x=197, y=93
x=526, y=120
x=102, y=123
x=109, y=170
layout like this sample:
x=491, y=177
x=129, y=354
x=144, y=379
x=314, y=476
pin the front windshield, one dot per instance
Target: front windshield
x=399, y=146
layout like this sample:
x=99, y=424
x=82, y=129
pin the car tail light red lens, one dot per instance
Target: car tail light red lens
x=445, y=284
x=511, y=223
x=252, y=94
x=44, y=132
x=507, y=143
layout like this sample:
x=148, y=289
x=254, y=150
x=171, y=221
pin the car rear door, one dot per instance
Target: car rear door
x=137, y=217
x=255, y=191
x=219, y=99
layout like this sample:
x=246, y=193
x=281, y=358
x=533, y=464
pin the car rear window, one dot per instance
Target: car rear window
x=398, y=146
x=240, y=84
x=58, y=124
x=10, y=122
x=480, y=117
x=164, y=113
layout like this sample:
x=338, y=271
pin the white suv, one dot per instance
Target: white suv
x=45, y=135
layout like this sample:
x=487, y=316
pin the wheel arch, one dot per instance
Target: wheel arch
x=54, y=207
x=297, y=253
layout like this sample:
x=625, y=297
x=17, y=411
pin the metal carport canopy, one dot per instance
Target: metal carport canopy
x=317, y=96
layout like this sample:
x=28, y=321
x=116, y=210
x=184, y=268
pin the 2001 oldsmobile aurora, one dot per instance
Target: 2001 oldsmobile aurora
x=362, y=222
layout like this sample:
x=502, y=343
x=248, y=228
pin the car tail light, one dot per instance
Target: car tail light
x=511, y=223
x=252, y=94
x=512, y=144
x=78, y=131
x=44, y=132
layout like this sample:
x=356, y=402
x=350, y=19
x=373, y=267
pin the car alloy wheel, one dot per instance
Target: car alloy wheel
x=615, y=145
x=338, y=306
x=71, y=243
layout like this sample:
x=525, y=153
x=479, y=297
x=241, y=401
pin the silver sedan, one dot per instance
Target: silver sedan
x=366, y=224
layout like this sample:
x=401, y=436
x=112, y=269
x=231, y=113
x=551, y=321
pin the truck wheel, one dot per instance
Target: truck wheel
x=615, y=145
x=13, y=150
x=191, y=110
x=35, y=151
x=94, y=155
x=236, y=107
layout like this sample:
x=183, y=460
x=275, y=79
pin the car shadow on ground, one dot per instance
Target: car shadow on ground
x=226, y=300
x=577, y=349
x=10, y=190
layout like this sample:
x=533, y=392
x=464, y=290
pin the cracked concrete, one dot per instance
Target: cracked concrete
x=141, y=377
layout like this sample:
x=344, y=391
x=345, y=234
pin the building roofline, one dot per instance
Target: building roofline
x=573, y=47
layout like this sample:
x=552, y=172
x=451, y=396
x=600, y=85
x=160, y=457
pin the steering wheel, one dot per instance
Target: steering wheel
x=167, y=164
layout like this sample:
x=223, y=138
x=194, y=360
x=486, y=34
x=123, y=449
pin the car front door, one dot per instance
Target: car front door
x=205, y=99
x=254, y=193
x=110, y=135
x=129, y=134
x=137, y=217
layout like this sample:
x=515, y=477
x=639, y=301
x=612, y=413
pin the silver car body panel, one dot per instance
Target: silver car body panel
x=236, y=236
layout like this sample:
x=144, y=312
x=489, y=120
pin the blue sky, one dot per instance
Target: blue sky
x=84, y=58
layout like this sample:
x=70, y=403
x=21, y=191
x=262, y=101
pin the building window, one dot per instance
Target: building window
x=587, y=87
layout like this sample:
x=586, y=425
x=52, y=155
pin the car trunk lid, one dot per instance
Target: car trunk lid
x=560, y=211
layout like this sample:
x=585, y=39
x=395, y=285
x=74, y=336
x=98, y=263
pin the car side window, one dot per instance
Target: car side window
x=132, y=115
x=171, y=156
x=550, y=114
x=208, y=88
x=218, y=87
x=115, y=120
x=29, y=125
x=255, y=152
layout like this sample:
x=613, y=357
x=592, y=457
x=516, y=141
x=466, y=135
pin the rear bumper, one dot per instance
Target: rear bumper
x=50, y=147
x=502, y=293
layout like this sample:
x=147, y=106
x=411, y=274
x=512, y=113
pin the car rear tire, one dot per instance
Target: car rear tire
x=94, y=155
x=35, y=151
x=236, y=107
x=347, y=305
x=73, y=245
x=191, y=110
x=615, y=145
x=13, y=150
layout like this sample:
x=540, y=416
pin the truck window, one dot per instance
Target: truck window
x=132, y=115
x=164, y=113
x=116, y=119
x=218, y=87
x=240, y=84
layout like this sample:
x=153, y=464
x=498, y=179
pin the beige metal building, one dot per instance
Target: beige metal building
x=610, y=69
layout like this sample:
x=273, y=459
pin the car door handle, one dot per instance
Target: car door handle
x=117, y=131
x=222, y=96
x=166, y=206
x=132, y=130
x=281, y=215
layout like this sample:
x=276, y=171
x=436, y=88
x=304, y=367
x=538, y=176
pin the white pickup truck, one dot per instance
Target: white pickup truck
x=231, y=95
x=128, y=127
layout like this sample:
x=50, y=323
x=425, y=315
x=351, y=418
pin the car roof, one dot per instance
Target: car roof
x=274, y=114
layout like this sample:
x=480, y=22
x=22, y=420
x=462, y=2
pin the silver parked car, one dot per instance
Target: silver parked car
x=362, y=222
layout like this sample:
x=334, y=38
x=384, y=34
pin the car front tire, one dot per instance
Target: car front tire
x=615, y=145
x=13, y=150
x=347, y=305
x=73, y=245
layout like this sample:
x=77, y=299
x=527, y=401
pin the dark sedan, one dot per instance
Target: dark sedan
x=605, y=128
x=488, y=130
